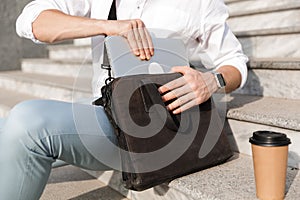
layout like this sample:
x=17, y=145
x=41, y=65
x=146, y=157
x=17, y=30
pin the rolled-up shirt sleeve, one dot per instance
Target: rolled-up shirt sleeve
x=34, y=8
x=219, y=46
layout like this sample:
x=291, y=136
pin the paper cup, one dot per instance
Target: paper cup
x=270, y=154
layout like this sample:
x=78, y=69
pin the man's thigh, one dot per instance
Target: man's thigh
x=79, y=134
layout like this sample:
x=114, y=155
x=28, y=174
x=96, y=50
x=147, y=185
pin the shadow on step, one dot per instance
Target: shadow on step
x=253, y=84
x=66, y=173
x=101, y=193
x=250, y=93
x=236, y=101
x=290, y=178
x=292, y=172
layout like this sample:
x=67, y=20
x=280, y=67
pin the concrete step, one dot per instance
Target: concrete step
x=239, y=8
x=273, y=78
x=269, y=20
x=82, y=41
x=232, y=180
x=247, y=114
x=283, y=113
x=231, y=1
x=46, y=86
x=72, y=183
x=275, y=63
x=281, y=43
x=266, y=28
x=269, y=31
x=239, y=133
x=10, y=98
x=70, y=68
x=70, y=52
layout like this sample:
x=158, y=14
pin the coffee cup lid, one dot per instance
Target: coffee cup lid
x=269, y=138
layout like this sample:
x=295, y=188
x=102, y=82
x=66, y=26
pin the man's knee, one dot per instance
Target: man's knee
x=25, y=120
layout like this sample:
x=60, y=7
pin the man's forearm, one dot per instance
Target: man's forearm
x=232, y=77
x=53, y=25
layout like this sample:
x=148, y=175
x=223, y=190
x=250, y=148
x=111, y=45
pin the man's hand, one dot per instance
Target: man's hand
x=53, y=26
x=192, y=89
x=136, y=34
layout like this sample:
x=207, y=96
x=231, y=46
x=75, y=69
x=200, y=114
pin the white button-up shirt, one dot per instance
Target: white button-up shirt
x=199, y=23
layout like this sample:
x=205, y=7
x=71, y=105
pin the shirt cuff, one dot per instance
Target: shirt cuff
x=24, y=24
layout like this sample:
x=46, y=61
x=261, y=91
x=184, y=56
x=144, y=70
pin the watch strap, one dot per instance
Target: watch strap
x=219, y=79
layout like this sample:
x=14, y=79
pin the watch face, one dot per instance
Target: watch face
x=221, y=80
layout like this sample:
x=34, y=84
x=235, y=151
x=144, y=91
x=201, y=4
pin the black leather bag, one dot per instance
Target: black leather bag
x=157, y=146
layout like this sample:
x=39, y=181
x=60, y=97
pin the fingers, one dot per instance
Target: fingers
x=187, y=91
x=140, y=40
x=179, y=89
x=150, y=44
x=181, y=69
x=137, y=35
x=144, y=43
x=132, y=42
x=176, y=93
x=139, y=43
x=183, y=95
x=180, y=102
x=172, y=85
x=185, y=107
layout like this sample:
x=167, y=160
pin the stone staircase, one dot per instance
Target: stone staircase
x=270, y=34
x=66, y=75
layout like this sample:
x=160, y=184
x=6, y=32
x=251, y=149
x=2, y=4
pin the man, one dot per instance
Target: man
x=38, y=132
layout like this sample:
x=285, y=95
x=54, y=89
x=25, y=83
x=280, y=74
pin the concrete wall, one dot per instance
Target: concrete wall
x=13, y=48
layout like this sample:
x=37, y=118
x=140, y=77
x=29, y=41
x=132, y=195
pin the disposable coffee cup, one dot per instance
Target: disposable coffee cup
x=270, y=155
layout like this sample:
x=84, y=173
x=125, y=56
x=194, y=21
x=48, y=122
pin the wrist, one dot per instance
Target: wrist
x=214, y=85
x=210, y=82
x=232, y=77
x=103, y=27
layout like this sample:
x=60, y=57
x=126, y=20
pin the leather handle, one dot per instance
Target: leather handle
x=151, y=96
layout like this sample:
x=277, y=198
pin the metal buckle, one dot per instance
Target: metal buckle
x=103, y=66
x=108, y=80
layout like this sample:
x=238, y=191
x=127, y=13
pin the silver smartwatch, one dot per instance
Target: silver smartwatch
x=220, y=79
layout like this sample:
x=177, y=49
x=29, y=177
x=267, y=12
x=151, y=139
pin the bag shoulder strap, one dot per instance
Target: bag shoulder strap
x=113, y=11
x=105, y=64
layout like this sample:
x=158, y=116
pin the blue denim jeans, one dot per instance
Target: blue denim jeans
x=38, y=132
